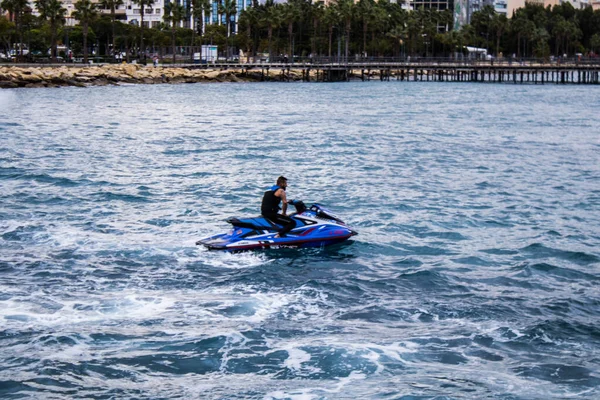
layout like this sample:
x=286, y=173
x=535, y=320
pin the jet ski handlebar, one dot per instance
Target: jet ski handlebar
x=299, y=205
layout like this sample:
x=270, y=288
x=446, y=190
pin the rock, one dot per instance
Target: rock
x=8, y=85
x=100, y=82
x=212, y=74
x=72, y=82
x=35, y=85
x=52, y=76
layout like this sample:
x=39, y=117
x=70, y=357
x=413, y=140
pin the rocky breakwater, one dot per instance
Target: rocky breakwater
x=115, y=74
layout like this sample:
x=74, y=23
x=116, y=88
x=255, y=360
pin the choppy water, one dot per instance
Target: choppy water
x=475, y=274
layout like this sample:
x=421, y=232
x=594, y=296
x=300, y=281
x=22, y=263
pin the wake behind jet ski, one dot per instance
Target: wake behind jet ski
x=315, y=226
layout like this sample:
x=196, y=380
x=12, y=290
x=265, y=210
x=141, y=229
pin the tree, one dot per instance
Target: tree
x=518, y=25
x=482, y=22
x=6, y=30
x=345, y=8
x=249, y=19
x=413, y=26
x=317, y=14
x=54, y=13
x=112, y=5
x=291, y=13
x=541, y=47
x=331, y=19
x=365, y=9
x=197, y=9
x=398, y=34
x=228, y=8
x=595, y=42
x=499, y=24
x=85, y=12
x=17, y=9
x=272, y=17
x=143, y=4
x=174, y=14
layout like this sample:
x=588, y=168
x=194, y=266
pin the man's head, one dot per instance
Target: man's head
x=282, y=181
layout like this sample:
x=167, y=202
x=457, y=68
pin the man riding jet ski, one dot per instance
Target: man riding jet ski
x=308, y=227
x=270, y=207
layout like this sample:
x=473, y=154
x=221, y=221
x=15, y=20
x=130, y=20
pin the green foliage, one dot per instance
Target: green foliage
x=216, y=35
x=345, y=27
x=7, y=29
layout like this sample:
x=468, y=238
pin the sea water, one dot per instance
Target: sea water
x=475, y=273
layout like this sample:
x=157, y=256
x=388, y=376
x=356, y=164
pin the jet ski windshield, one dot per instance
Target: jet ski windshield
x=322, y=212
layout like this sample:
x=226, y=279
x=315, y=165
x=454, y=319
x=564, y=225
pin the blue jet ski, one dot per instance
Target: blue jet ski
x=315, y=227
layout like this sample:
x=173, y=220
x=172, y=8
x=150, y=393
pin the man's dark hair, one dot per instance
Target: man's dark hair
x=281, y=179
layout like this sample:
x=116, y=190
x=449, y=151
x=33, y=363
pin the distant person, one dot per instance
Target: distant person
x=270, y=206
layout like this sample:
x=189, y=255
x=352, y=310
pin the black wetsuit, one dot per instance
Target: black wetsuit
x=270, y=210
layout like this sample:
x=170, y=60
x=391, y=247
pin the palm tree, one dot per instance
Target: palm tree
x=206, y=7
x=365, y=9
x=112, y=5
x=54, y=12
x=345, y=8
x=291, y=13
x=518, y=24
x=250, y=18
x=143, y=4
x=399, y=33
x=413, y=27
x=228, y=8
x=17, y=9
x=318, y=13
x=499, y=24
x=331, y=19
x=174, y=14
x=85, y=12
x=271, y=18
x=197, y=11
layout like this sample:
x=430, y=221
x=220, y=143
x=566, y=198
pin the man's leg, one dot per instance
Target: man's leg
x=287, y=222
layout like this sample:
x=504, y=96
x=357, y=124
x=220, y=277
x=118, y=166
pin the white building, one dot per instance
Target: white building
x=153, y=15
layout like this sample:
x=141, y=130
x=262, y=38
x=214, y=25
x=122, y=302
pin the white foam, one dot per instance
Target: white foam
x=234, y=260
x=297, y=394
x=118, y=306
x=295, y=358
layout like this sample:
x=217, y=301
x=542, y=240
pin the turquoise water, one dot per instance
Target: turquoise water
x=474, y=275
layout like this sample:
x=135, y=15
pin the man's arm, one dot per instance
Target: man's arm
x=281, y=194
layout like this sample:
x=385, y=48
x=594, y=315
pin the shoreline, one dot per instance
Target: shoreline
x=31, y=76
x=12, y=77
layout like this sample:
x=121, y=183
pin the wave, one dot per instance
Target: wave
x=538, y=250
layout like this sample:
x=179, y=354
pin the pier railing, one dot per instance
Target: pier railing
x=299, y=62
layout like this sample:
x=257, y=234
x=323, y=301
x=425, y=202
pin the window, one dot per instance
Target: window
x=155, y=24
x=136, y=11
x=157, y=11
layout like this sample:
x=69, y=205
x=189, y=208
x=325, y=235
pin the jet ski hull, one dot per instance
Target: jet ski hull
x=294, y=243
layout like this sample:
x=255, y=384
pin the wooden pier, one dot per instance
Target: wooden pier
x=500, y=73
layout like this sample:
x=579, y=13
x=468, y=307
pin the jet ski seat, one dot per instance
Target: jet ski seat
x=259, y=223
